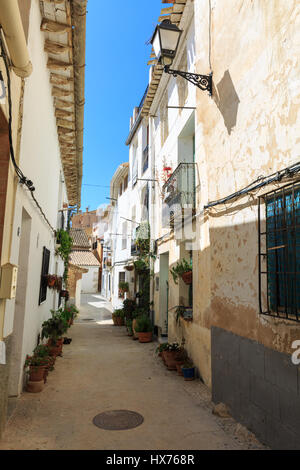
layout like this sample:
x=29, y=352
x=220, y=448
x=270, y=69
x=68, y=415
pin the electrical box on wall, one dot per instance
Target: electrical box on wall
x=8, y=281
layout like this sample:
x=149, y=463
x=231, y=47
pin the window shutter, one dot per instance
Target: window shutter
x=45, y=271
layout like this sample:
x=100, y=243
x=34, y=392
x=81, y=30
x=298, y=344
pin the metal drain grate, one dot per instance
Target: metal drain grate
x=88, y=319
x=118, y=420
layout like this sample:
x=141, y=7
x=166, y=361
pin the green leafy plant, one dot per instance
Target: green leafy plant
x=129, y=307
x=63, y=238
x=143, y=324
x=173, y=347
x=188, y=364
x=42, y=350
x=35, y=361
x=162, y=347
x=54, y=327
x=124, y=286
x=180, y=268
x=119, y=312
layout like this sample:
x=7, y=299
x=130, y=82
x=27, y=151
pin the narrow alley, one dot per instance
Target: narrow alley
x=104, y=369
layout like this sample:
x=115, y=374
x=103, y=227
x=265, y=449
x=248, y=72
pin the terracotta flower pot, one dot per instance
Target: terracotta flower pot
x=36, y=373
x=169, y=359
x=179, y=364
x=145, y=337
x=35, y=387
x=187, y=277
x=119, y=321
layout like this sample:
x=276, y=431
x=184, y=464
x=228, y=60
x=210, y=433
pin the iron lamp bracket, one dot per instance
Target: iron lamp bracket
x=204, y=82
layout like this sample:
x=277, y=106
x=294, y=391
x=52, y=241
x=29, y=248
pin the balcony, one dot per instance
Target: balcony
x=179, y=192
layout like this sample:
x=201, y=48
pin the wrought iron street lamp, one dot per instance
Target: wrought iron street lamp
x=165, y=42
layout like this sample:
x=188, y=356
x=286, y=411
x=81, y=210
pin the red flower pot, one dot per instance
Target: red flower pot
x=188, y=277
x=145, y=337
x=36, y=373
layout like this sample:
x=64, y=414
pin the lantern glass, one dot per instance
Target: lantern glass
x=156, y=44
x=165, y=41
x=169, y=41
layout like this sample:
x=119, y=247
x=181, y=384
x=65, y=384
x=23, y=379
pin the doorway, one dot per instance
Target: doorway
x=17, y=360
x=164, y=293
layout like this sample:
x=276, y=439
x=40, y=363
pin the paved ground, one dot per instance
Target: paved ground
x=104, y=369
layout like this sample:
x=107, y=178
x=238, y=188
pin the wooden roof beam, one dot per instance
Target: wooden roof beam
x=54, y=26
x=55, y=47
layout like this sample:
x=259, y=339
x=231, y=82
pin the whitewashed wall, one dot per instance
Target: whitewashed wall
x=40, y=162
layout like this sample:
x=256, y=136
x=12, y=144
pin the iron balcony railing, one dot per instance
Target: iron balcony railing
x=180, y=188
x=179, y=192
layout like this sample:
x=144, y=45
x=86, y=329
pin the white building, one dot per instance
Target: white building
x=47, y=126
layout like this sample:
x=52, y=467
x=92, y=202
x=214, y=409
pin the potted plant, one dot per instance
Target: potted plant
x=53, y=329
x=36, y=366
x=188, y=370
x=162, y=347
x=169, y=355
x=118, y=317
x=129, y=307
x=129, y=267
x=129, y=327
x=180, y=358
x=123, y=287
x=144, y=329
x=182, y=269
x=43, y=351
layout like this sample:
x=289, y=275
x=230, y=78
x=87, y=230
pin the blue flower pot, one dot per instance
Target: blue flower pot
x=188, y=373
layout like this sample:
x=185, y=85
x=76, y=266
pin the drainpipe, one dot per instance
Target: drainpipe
x=12, y=26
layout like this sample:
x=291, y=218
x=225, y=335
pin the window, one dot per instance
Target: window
x=45, y=271
x=145, y=162
x=279, y=253
x=134, y=165
x=164, y=119
x=124, y=236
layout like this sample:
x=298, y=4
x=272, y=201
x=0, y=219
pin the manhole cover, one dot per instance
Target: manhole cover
x=118, y=420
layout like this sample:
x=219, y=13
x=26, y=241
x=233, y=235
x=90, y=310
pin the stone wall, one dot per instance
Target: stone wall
x=261, y=387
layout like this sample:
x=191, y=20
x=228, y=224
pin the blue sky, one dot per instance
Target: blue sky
x=116, y=78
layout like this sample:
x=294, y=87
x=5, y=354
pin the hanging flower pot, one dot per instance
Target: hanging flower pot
x=187, y=277
x=130, y=267
x=51, y=280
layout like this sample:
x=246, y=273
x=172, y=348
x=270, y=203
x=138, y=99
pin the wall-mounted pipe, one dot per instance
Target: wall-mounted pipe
x=11, y=23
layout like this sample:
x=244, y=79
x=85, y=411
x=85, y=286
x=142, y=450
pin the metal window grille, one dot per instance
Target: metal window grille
x=279, y=253
x=45, y=271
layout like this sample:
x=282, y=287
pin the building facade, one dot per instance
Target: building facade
x=43, y=168
x=223, y=184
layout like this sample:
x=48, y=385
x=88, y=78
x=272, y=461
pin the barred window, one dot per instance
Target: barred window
x=279, y=253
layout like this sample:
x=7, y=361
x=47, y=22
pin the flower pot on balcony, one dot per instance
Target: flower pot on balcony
x=187, y=277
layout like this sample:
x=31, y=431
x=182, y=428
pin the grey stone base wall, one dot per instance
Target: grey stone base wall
x=261, y=387
x=4, y=375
